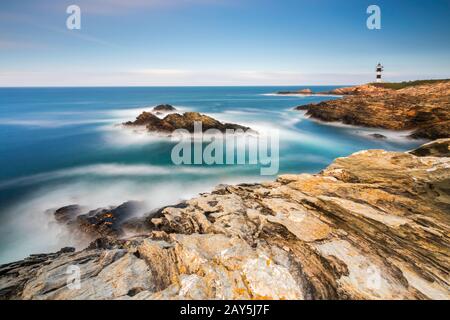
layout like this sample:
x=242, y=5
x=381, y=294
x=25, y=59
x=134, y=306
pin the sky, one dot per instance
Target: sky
x=221, y=42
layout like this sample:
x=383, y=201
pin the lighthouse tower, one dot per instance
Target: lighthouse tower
x=379, y=70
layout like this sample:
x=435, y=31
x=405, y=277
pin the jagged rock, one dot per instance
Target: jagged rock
x=302, y=108
x=67, y=213
x=104, y=275
x=14, y=276
x=137, y=225
x=181, y=121
x=144, y=119
x=105, y=243
x=103, y=222
x=66, y=250
x=432, y=131
x=164, y=108
x=107, y=222
x=373, y=225
x=437, y=148
x=423, y=108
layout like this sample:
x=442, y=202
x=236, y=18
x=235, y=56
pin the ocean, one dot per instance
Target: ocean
x=62, y=146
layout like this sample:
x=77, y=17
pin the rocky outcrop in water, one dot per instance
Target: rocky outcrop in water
x=377, y=136
x=107, y=221
x=423, y=109
x=301, y=91
x=164, y=108
x=373, y=225
x=185, y=121
x=102, y=222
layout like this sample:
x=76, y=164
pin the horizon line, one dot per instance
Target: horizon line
x=213, y=85
x=177, y=86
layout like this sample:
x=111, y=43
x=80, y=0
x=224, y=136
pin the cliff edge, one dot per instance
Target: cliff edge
x=423, y=108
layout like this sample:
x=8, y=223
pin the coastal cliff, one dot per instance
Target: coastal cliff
x=421, y=107
x=373, y=225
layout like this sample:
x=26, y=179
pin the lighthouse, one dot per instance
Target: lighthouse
x=379, y=70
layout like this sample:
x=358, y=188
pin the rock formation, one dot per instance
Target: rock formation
x=109, y=222
x=106, y=221
x=373, y=225
x=377, y=136
x=68, y=213
x=425, y=109
x=164, y=108
x=181, y=121
x=301, y=91
x=437, y=148
x=366, y=89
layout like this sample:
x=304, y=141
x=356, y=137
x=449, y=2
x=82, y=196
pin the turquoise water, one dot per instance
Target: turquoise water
x=61, y=146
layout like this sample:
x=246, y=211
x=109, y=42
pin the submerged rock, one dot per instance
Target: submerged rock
x=373, y=225
x=181, y=121
x=422, y=108
x=377, y=136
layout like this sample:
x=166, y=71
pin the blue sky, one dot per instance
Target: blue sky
x=220, y=42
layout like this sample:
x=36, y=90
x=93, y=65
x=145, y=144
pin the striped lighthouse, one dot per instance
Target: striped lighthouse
x=379, y=70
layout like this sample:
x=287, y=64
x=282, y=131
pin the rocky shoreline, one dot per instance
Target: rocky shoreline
x=423, y=109
x=373, y=225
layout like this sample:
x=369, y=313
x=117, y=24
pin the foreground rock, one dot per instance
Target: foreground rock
x=424, y=109
x=373, y=225
x=437, y=148
x=181, y=121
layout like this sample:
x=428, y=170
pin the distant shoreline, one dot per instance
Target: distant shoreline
x=419, y=106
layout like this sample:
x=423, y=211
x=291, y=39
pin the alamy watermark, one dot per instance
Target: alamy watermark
x=232, y=147
x=73, y=21
x=373, y=281
x=374, y=20
x=73, y=281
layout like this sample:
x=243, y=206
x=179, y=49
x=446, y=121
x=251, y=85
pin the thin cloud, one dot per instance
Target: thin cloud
x=18, y=45
x=161, y=72
x=114, y=7
x=37, y=23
